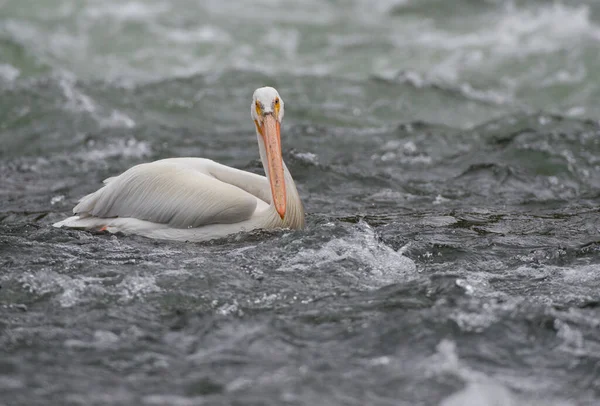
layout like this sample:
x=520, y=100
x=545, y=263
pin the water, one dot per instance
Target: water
x=448, y=158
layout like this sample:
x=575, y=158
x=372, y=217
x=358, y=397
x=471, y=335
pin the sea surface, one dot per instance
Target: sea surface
x=448, y=157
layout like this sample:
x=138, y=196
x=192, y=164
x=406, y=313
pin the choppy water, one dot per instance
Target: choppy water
x=448, y=156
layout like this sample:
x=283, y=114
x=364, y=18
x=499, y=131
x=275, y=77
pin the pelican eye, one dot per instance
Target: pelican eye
x=258, y=108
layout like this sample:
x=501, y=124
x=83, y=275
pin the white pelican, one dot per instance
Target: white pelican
x=197, y=199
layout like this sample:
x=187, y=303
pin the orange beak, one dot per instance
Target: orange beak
x=271, y=132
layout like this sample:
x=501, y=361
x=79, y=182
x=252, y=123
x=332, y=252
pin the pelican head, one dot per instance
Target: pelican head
x=266, y=100
x=267, y=113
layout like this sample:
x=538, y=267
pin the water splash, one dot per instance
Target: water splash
x=376, y=263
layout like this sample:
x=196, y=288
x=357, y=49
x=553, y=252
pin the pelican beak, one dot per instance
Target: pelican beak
x=271, y=132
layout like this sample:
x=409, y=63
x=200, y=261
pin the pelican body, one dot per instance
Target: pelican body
x=197, y=199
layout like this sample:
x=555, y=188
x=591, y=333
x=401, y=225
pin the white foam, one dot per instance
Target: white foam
x=445, y=360
x=477, y=321
x=8, y=72
x=580, y=274
x=493, y=394
x=393, y=195
x=79, y=102
x=127, y=11
x=129, y=148
x=379, y=263
x=69, y=290
x=117, y=119
x=402, y=152
x=101, y=339
x=172, y=400
x=267, y=300
x=439, y=199
x=519, y=31
x=76, y=100
x=228, y=309
x=72, y=290
x=206, y=34
x=57, y=199
x=480, y=389
x=481, y=394
x=10, y=383
x=307, y=157
x=495, y=41
x=571, y=336
x=137, y=287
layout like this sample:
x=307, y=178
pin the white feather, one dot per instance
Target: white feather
x=180, y=192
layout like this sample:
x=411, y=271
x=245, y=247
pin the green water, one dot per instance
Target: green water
x=447, y=155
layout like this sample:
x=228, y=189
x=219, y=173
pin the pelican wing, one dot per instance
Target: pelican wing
x=181, y=192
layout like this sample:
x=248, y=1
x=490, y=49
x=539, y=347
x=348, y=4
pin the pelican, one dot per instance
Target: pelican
x=197, y=199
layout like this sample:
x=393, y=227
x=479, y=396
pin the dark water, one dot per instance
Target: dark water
x=448, y=159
